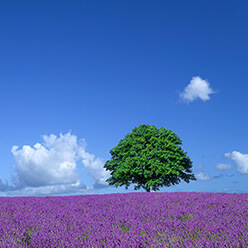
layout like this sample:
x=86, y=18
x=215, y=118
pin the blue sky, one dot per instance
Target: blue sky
x=77, y=76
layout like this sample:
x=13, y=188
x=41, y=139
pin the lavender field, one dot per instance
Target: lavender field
x=180, y=219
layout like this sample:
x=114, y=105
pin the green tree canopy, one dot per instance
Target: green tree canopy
x=149, y=157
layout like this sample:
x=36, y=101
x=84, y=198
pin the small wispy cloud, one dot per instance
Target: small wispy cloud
x=218, y=176
x=197, y=88
x=241, y=160
x=203, y=176
x=51, y=167
x=223, y=167
x=4, y=186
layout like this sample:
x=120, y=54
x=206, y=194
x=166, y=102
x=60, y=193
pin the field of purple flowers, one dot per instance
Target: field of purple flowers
x=180, y=219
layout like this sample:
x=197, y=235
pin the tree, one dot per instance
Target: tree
x=150, y=157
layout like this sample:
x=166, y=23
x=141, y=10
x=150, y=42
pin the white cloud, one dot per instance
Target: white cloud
x=197, y=88
x=40, y=166
x=95, y=167
x=202, y=176
x=52, y=190
x=51, y=167
x=223, y=166
x=241, y=160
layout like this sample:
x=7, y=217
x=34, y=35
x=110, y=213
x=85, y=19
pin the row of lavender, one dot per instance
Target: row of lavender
x=125, y=220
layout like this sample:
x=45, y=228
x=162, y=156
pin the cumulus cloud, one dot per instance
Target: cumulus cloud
x=241, y=160
x=95, y=167
x=197, y=88
x=223, y=166
x=51, y=167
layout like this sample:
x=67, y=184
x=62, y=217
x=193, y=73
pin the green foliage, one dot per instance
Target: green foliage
x=149, y=157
